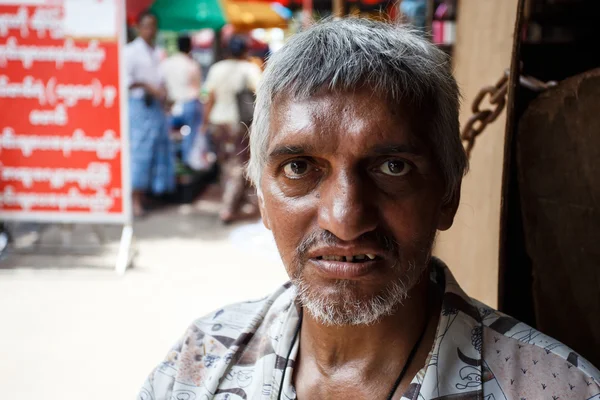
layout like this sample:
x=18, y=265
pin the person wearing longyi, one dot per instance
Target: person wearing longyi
x=152, y=161
x=357, y=160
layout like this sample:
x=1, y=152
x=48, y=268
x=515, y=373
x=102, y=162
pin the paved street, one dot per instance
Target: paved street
x=71, y=329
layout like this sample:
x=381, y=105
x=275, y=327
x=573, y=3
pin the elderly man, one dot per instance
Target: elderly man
x=357, y=158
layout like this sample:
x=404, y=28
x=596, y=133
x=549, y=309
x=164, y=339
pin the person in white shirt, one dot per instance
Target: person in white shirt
x=225, y=80
x=183, y=78
x=152, y=164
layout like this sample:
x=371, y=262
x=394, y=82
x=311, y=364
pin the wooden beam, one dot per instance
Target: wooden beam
x=481, y=54
x=337, y=8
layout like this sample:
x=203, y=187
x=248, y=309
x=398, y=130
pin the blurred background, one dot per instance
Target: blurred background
x=524, y=241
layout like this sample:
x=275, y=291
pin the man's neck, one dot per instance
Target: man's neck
x=149, y=43
x=370, y=349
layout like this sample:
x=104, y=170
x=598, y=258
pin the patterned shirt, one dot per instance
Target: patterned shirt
x=242, y=350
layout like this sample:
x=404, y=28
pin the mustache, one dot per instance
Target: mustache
x=378, y=238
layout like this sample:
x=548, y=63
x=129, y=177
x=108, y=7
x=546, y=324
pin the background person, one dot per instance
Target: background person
x=183, y=79
x=225, y=80
x=152, y=163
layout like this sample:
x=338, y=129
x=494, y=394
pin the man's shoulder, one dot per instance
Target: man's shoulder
x=517, y=355
x=218, y=71
x=134, y=50
x=130, y=48
x=134, y=44
x=214, y=342
x=176, y=58
x=244, y=315
x=220, y=65
x=169, y=60
x=249, y=65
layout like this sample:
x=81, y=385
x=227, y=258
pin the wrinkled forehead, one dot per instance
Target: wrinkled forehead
x=329, y=116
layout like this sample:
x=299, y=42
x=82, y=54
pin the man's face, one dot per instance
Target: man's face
x=147, y=28
x=354, y=200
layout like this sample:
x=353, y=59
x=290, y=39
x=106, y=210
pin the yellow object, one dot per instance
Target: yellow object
x=248, y=15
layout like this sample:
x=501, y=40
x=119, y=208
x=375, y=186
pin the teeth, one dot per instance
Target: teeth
x=355, y=258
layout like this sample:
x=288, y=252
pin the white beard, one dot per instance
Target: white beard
x=346, y=310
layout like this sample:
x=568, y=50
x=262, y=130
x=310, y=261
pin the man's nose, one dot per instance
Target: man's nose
x=346, y=207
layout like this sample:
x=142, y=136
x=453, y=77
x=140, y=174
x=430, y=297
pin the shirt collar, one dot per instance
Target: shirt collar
x=142, y=43
x=455, y=361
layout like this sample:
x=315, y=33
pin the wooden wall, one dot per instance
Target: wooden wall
x=481, y=54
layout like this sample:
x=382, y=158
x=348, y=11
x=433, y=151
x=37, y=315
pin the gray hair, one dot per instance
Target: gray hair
x=393, y=61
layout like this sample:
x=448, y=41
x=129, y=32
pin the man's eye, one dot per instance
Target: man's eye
x=395, y=168
x=296, y=169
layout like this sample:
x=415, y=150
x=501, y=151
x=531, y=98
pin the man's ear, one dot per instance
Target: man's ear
x=263, y=211
x=448, y=210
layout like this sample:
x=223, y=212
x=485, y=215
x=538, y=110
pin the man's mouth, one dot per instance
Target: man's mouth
x=353, y=266
x=357, y=258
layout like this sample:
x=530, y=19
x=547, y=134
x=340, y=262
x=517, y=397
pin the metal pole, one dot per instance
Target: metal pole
x=124, y=257
x=217, y=46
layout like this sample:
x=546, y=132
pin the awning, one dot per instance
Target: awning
x=248, y=15
x=188, y=15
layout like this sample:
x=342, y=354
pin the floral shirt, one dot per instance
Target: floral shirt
x=241, y=352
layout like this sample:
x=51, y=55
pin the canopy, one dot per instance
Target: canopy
x=188, y=15
x=248, y=15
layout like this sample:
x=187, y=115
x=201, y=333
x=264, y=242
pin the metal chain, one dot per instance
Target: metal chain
x=480, y=119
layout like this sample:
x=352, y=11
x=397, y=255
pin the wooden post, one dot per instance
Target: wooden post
x=481, y=54
x=430, y=11
x=337, y=8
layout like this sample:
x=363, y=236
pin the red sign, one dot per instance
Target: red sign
x=63, y=147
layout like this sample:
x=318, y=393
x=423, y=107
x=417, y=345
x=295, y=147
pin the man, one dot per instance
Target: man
x=225, y=80
x=184, y=78
x=356, y=154
x=152, y=164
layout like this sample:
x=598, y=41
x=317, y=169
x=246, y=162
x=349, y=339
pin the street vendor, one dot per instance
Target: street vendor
x=357, y=160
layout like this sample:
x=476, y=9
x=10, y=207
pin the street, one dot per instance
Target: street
x=72, y=329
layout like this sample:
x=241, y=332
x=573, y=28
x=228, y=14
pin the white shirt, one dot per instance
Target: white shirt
x=225, y=79
x=182, y=77
x=142, y=64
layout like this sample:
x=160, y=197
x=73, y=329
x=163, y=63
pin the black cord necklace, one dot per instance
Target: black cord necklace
x=408, y=361
x=398, y=380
